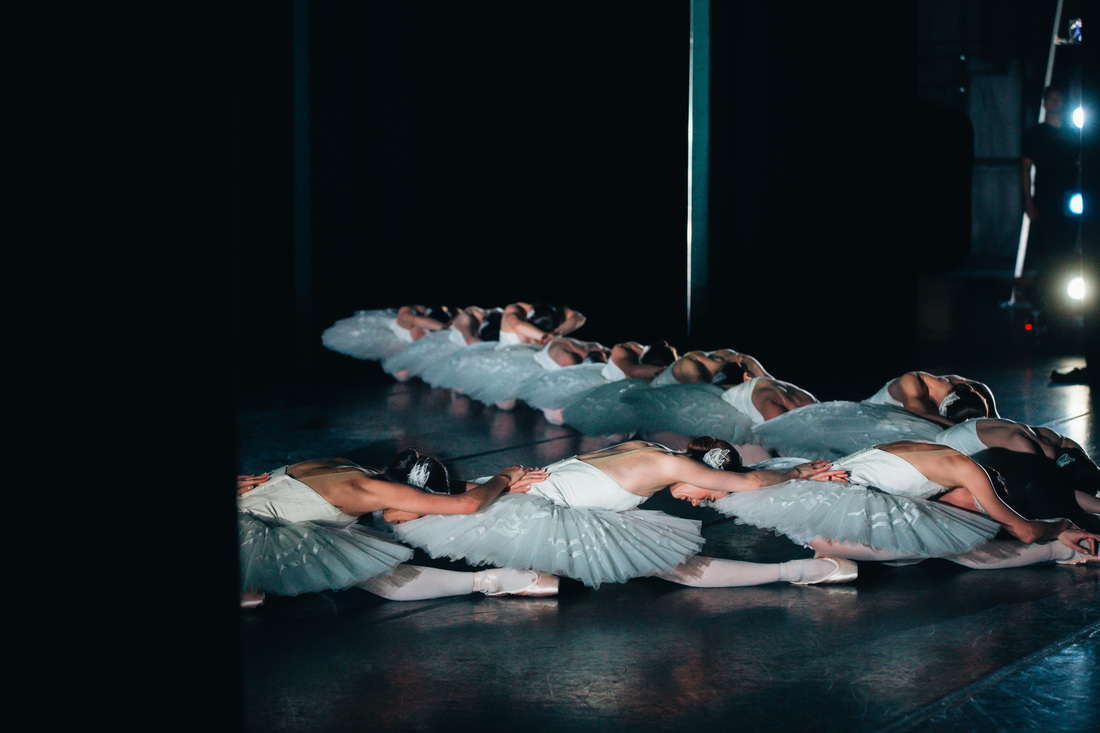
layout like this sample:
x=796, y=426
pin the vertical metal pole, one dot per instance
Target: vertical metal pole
x=698, y=155
x=303, y=256
x=1025, y=225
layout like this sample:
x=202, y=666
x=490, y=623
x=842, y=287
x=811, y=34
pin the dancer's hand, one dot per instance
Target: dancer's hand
x=819, y=470
x=247, y=483
x=1081, y=541
x=520, y=478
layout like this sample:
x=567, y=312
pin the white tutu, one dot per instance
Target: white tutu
x=367, y=335
x=529, y=532
x=420, y=354
x=806, y=510
x=691, y=410
x=831, y=430
x=604, y=410
x=497, y=375
x=551, y=390
x=288, y=558
x=459, y=369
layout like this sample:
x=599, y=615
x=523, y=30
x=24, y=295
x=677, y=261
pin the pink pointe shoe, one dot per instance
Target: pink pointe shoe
x=845, y=572
x=1080, y=559
x=508, y=582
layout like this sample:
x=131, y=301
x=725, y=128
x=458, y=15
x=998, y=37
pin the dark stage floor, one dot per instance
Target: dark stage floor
x=927, y=647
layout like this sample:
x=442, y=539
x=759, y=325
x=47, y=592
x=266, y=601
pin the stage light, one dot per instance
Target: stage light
x=1027, y=326
x=1079, y=117
x=1076, y=204
x=1076, y=288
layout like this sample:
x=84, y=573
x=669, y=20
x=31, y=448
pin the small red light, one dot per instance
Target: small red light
x=1027, y=327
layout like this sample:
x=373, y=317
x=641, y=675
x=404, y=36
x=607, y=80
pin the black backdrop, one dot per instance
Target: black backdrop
x=485, y=152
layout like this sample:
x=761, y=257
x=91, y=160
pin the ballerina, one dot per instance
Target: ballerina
x=373, y=335
x=722, y=393
x=298, y=531
x=949, y=398
x=470, y=325
x=907, y=500
x=553, y=391
x=582, y=521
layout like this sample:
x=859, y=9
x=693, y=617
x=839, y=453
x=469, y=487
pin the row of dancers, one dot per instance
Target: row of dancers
x=899, y=499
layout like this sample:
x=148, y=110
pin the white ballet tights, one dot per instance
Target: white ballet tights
x=713, y=572
x=418, y=583
x=993, y=555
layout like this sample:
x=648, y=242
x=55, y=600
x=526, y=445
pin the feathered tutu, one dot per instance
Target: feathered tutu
x=498, y=374
x=806, y=510
x=418, y=355
x=367, y=335
x=832, y=430
x=604, y=410
x=289, y=558
x=459, y=369
x=689, y=409
x=530, y=532
x=552, y=389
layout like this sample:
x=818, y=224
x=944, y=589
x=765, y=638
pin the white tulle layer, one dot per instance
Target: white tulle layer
x=807, y=510
x=366, y=335
x=418, y=355
x=604, y=410
x=836, y=429
x=552, y=389
x=457, y=370
x=591, y=545
x=689, y=409
x=498, y=374
x=289, y=558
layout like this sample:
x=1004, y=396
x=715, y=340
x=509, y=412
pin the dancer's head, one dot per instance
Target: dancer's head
x=658, y=353
x=730, y=374
x=597, y=356
x=714, y=453
x=442, y=313
x=1078, y=470
x=544, y=316
x=422, y=471
x=489, y=330
x=963, y=402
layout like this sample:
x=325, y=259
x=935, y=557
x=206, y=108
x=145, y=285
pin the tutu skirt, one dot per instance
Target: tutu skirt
x=832, y=430
x=497, y=375
x=604, y=410
x=806, y=510
x=289, y=558
x=551, y=390
x=418, y=355
x=689, y=409
x=591, y=545
x=366, y=335
x=459, y=369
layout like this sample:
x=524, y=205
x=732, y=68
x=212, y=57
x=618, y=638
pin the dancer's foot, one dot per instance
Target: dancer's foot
x=509, y=582
x=821, y=570
x=1079, y=558
x=251, y=599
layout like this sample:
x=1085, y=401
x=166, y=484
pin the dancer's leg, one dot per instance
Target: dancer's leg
x=417, y=583
x=998, y=554
x=713, y=572
x=993, y=555
x=1088, y=502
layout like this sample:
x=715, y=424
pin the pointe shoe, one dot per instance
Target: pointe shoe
x=251, y=599
x=491, y=583
x=845, y=572
x=1080, y=559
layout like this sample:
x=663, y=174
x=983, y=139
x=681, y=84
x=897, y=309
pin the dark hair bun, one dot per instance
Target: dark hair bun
x=425, y=472
x=489, y=330
x=658, y=353
x=962, y=403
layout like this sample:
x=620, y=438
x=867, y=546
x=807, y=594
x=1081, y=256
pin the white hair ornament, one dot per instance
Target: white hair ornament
x=717, y=457
x=950, y=399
